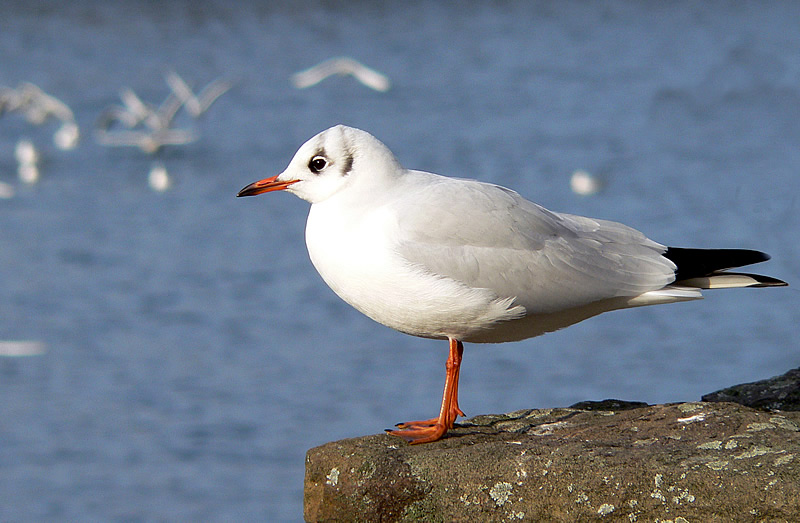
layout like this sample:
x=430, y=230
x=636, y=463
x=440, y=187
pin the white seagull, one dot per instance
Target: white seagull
x=342, y=66
x=197, y=104
x=464, y=260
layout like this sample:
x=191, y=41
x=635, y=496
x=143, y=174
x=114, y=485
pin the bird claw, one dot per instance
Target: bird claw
x=419, y=435
x=419, y=424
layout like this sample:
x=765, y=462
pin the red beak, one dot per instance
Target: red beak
x=266, y=185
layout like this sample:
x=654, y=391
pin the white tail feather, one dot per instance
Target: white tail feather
x=670, y=294
x=722, y=281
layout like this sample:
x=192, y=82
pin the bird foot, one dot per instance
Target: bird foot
x=451, y=419
x=425, y=431
x=419, y=424
x=420, y=434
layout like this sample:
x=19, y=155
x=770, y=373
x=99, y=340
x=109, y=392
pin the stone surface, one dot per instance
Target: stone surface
x=696, y=461
x=778, y=393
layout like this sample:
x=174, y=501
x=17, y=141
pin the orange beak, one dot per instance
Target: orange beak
x=265, y=185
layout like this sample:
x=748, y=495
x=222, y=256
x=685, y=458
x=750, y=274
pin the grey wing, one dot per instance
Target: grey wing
x=486, y=236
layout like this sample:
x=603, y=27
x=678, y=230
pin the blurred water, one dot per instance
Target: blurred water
x=192, y=353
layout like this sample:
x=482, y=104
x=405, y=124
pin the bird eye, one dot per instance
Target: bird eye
x=317, y=163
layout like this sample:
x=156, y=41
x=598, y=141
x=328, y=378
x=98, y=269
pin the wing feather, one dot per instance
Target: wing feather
x=490, y=237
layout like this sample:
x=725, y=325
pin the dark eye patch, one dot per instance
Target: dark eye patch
x=348, y=164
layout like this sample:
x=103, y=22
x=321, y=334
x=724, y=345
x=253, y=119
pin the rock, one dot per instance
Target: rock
x=696, y=461
x=778, y=393
x=608, y=405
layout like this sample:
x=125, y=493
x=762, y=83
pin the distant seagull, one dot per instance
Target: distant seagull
x=37, y=107
x=21, y=348
x=583, y=183
x=135, y=111
x=140, y=124
x=158, y=178
x=196, y=105
x=66, y=137
x=341, y=66
x=27, y=159
x=148, y=141
x=28, y=173
x=6, y=191
x=25, y=152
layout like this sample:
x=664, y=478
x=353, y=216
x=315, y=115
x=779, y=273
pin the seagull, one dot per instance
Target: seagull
x=467, y=261
x=148, y=141
x=148, y=127
x=158, y=177
x=27, y=159
x=6, y=191
x=21, y=348
x=67, y=136
x=196, y=105
x=38, y=107
x=584, y=184
x=342, y=66
x=35, y=104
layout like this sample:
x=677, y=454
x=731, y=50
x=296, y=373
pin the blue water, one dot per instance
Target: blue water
x=192, y=353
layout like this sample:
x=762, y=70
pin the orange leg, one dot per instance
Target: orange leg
x=425, y=431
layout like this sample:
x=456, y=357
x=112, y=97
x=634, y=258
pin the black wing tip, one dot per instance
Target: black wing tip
x=743, y=256
x=692, y=263
x=756, y=256
x=767, y=281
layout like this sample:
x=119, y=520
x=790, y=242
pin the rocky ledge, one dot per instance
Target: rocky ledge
x=610, y=460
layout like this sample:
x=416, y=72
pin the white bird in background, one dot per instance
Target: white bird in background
x=21, y=348
x=37, y=107
x=196, y=105
x=583, y=183
x=464, y=260
x=67, y=136
x=149, y=127
x=342, y=66
x=158, y=177
x=27, y=161
x=6, y=191
x=25, y=152
x=144, y=125
x=147, y=141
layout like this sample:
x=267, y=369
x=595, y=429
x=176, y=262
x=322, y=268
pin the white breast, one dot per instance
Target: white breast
x=354, y=252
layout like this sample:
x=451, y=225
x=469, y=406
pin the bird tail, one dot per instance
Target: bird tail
x=708, y=268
